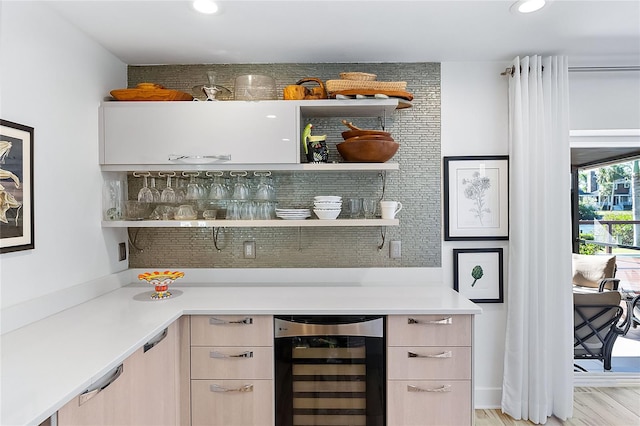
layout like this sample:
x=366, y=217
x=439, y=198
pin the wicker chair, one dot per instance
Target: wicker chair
x=596, y=328
x=594, y=273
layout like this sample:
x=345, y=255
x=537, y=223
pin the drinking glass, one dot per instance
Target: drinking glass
x=355, y=206
x=180, y=190
x=369, y=207
x=145, y=195
x=168, y=195
x=265, y=190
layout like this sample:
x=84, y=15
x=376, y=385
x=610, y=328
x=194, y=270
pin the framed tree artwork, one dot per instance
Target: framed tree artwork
x=16, y=187
x=478, y=274
x=476, y=198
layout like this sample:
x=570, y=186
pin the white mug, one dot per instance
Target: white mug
x=389, y=209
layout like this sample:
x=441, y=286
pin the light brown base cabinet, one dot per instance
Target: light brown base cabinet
x=218, y=371
x=143, y=390
x=232, y=370
x=429, y=370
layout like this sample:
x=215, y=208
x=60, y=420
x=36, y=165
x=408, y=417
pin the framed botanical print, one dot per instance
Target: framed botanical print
x=478, y=274
x=476, y=198
x=16, y=187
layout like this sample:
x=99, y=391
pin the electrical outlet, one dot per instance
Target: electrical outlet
x=395, y=249
x=249, y=249
x=122, y=251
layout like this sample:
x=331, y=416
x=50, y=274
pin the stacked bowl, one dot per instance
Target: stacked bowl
x=327, y=207
x=367, y=146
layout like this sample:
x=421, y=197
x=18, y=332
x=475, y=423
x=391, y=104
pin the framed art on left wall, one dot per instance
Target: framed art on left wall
x=16, y=187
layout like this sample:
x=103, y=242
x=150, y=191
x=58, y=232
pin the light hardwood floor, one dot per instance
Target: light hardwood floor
x=618, y=406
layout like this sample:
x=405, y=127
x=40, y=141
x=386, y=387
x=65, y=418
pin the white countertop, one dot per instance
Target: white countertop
x=47, y=363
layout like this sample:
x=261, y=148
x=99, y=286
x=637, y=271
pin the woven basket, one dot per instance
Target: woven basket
x=357, y=76
x=338, y=85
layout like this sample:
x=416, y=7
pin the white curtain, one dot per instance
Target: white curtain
x=538, y=364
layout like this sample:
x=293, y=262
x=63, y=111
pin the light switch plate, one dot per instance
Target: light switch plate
x=395, y=249
x=249, y=250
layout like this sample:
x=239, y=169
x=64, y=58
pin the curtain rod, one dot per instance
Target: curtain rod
x=511, y=70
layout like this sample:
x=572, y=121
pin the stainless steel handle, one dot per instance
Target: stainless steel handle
x=215, y=354
x=443, y=321
x=157, y=339
x=218, y=321
x=245, y=388
x=224, y=157
x=372, y=328
x=101, y=384
x=443, y=388
x=446, y=354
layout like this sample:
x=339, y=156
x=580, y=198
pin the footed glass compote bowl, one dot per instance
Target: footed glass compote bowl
x=161, y=282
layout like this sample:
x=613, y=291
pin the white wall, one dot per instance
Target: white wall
x=475, y=122
x=604, y=100
x=53, y=78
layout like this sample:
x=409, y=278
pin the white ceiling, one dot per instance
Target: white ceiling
x=604, y=32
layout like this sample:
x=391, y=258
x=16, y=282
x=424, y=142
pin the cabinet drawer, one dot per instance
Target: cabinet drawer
x=429, y=330
x=238, y=362
x=430, y=362
x=246, y=402
x=429, y=402
x=232, y=330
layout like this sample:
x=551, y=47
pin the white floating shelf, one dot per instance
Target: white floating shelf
x=275, y=223
x=308, y=167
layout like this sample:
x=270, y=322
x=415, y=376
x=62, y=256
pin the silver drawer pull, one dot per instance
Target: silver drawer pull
x=446, y=354
x=174, y=157
x=245, y=388
x=247, y=354
x=443, y=388
x=157, y=339
x=100, y=385
x=217, y=321
x=448, y=320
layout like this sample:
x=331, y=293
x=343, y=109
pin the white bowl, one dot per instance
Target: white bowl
x=327, y=206
x=326, y=214
x=333, y=198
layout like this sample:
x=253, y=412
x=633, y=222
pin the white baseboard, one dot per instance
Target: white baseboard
x=487, y=398
x=16, y=316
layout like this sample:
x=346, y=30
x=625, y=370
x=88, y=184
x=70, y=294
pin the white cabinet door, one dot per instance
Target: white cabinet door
x=224, y=132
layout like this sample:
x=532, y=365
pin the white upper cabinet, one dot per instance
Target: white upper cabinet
x=205, y=133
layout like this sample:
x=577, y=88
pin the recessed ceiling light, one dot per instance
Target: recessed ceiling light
x=205, y=6
x=528, y=6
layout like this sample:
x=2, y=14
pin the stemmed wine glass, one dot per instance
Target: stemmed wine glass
x=218, y=190
x=145, y=195
x=154, y=191
x=193, y=189
x=168, y=194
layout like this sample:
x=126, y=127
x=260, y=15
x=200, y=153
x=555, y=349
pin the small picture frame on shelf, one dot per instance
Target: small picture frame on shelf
x=476, y=198
x=16, y=189
x=478, y=274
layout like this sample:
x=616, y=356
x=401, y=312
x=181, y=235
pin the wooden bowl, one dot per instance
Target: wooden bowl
x=368, y=150
x=369, y=138
x=353, y=133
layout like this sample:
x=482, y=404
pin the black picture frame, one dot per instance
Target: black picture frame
x=476, y=188
x=478, y=274
x=17, y=227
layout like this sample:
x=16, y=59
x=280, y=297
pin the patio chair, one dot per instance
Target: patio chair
x=595, y=317
x=594, y=273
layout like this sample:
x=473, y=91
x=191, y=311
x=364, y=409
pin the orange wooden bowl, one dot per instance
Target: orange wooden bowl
x=368, y=150
x=352, y=133
x=369, y=138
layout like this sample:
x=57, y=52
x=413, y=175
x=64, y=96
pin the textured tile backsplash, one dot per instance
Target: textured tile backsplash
x=416, y=184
